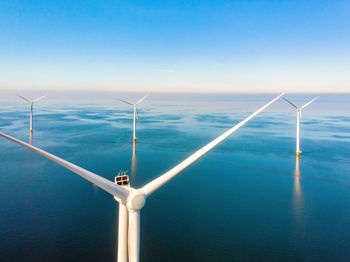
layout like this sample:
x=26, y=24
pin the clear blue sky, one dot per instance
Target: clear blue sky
x=191, y=46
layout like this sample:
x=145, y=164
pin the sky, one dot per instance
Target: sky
x=175, y=46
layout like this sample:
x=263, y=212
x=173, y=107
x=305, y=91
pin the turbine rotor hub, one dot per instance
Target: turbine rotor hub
x=136, y=200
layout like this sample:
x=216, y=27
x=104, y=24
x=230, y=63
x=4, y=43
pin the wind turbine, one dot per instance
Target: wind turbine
x=132, y=200
x=299, y=118
x=135, y=109
x=31, y=109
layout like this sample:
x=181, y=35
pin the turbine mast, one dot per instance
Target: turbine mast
x=298, y=132
x=134, y=235
x=31, y=118
x=134, y=129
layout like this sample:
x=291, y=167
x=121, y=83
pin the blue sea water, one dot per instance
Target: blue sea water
x=250, y=199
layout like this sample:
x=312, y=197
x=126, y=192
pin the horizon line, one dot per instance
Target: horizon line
x=14, y=90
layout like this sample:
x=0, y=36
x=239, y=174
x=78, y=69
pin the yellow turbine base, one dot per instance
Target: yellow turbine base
x=298, y=153
x=31, y=130
x=134, y=139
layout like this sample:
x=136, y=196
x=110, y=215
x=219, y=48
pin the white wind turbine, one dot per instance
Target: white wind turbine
x=135, y=109
x=132, y=200
x=299, y=118
x=31, y=109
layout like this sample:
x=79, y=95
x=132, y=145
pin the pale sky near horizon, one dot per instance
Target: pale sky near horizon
x=176, y=46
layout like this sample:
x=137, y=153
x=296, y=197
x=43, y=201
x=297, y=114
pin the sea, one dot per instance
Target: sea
x=249, y=199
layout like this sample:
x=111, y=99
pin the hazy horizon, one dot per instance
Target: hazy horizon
x=15, y=91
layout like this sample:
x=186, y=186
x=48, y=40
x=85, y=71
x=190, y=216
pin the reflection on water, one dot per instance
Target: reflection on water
x=133, y=163
x=298, y=196
x=30, y=138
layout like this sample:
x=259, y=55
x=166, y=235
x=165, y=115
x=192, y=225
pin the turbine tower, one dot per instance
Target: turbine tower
x=299, y=118
x=31, y=110
x=135, y=111
x=132, y=200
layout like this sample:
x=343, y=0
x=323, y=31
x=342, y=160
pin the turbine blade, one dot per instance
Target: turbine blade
x=134, y=236
x=308, y=103
x=142, y=99
x=158, y=182
x=39, y=98
x=126, y=102
x=290, y=103
x=24, y=98
x=123, y=233
x=117, y=191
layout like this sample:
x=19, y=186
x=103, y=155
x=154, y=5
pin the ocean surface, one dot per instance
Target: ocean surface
x=250, y=199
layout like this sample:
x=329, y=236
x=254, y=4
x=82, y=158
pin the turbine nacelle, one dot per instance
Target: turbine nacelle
x=135, y=201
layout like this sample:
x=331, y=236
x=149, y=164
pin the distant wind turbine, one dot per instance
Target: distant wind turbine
x=132, y=200
x=299, y=118
x=31, y=109
x=135, y=109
